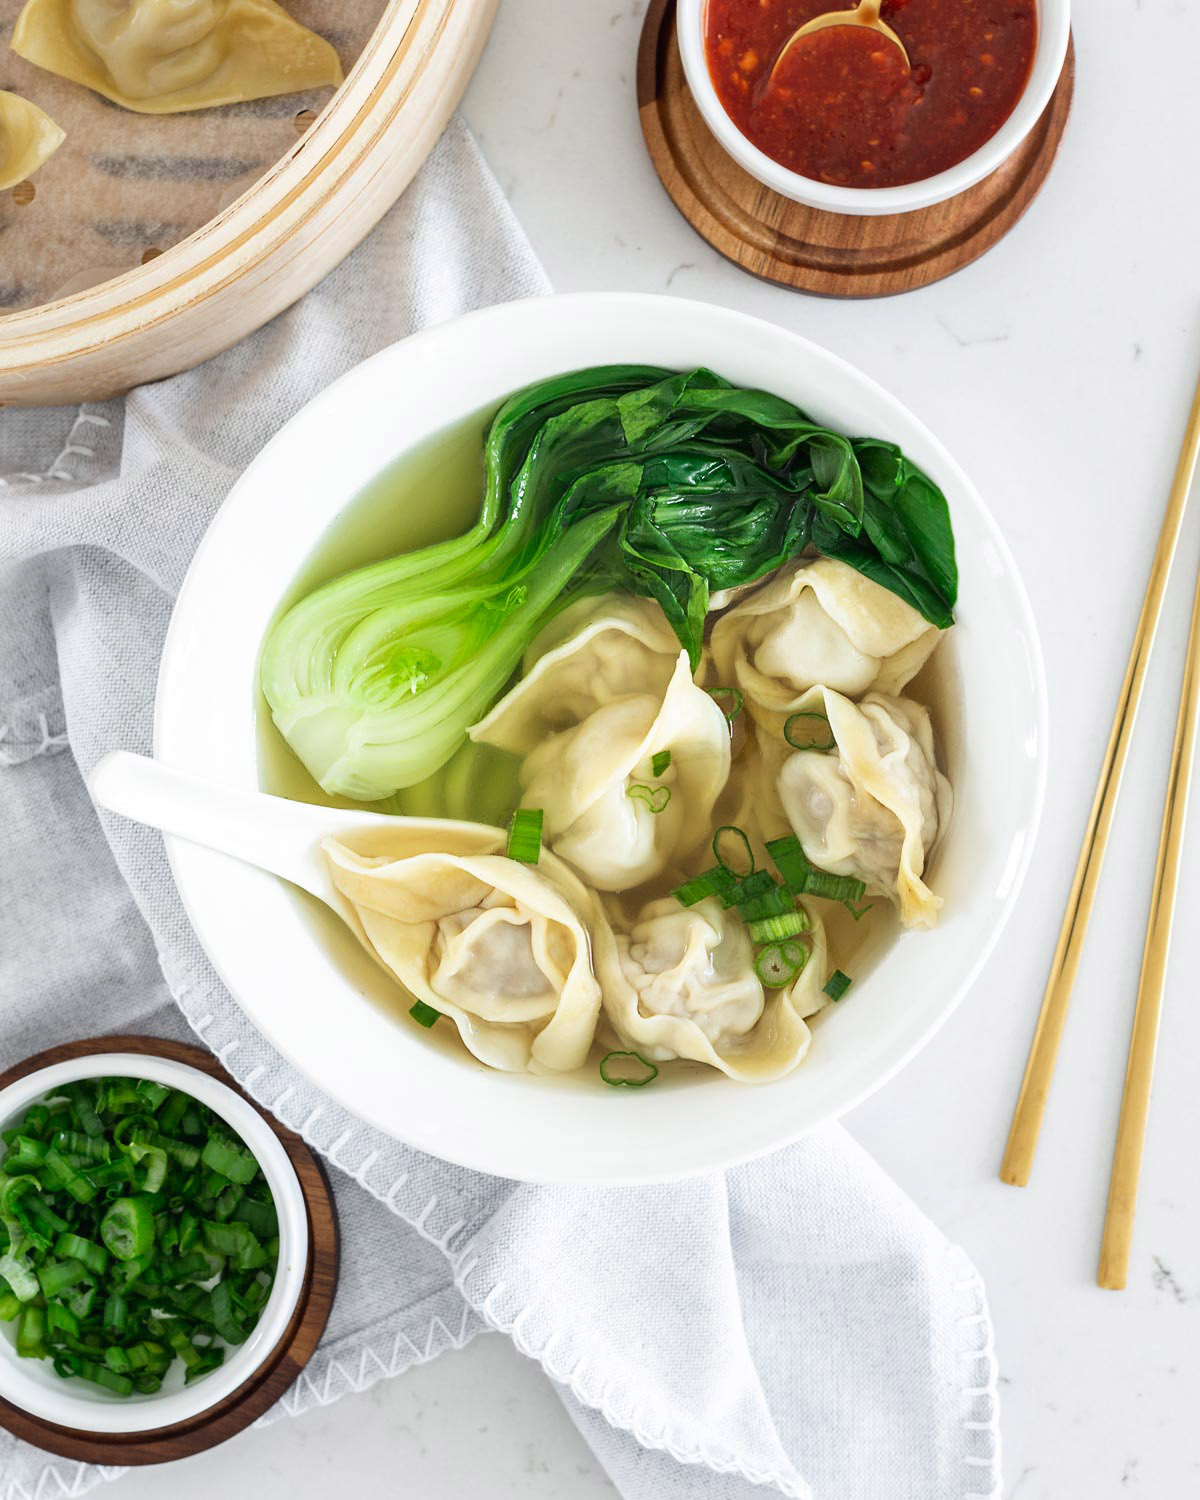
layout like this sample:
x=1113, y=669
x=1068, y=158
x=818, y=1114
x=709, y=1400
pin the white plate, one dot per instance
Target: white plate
x=303, y=981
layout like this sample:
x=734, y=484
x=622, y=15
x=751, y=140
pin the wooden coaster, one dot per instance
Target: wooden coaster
x=833, y=255
x=294, y=1349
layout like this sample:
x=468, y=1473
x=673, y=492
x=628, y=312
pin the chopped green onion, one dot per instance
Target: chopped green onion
x=67, y=1177
x=82, y=1299
x=173, y=1112
x=780, y=963
x=58, y=1276
x=31, y=1333
x=20, y=1275
x=838, y=984
x=182, y=1152
x=130, y=1169
x=772, y=929
x=729, y=701
x=237, y=1165
x=98, y=1374
x=75, y=1247
x=655, y=798
x=659, y=762
x=235, y=1241
x=803, y=878
x=424, y=1015
x=60, y=1319
x=115, y=1316
x=79, y=1143
x=127, y=1228
x=741, y=892
x=25, y=1153
x=525, y=835
x=771, y=900
x=226, y=1203
x=737, y=849
x=132, y=1269
x=153, y=1093
x=88, y=1118
x=803, y=731
x=224, y=1315
x=632, y=1081
x=714, y=882
x=260, y=1218
x=154, y=1159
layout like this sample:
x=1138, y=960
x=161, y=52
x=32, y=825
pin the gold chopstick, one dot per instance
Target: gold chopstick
x=1043, y=1053
x=1143, y=1043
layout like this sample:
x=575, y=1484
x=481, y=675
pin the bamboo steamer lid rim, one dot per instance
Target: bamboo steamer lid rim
x=274, y=241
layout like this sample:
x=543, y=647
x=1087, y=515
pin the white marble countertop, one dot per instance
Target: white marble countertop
x=1059, y=370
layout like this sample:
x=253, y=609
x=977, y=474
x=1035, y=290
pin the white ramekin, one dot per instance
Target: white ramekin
x=1054, y=29
x=32, y=1385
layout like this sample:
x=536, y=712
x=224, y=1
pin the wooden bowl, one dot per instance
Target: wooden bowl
x=282, y=1365
x=267, y=248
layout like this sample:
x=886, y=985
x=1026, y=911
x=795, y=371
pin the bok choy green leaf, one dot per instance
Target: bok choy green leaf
x=663, y=484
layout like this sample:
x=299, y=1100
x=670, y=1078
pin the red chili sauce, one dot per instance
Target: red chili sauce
x=842, y=108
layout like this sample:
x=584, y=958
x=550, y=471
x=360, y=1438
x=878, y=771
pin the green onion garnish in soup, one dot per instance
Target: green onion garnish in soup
x=135, y=1230
x=844, y=107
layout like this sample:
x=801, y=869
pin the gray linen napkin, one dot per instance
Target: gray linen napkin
x=794, y=1324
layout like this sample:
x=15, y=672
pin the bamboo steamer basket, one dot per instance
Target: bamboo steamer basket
x=276, y=240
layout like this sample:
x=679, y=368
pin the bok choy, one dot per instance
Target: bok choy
x=671, y=486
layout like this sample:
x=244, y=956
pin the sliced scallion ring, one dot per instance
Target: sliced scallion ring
x=837, y=984
x=633, y=1081
x=733, y=852
x=424, y=1015
x=809, y=731
x=779, y=964
x=659, y=762
x=728, y=700
x=655, y=797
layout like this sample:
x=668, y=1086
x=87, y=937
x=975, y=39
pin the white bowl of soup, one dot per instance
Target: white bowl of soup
x=388, y=460
x=841, y=121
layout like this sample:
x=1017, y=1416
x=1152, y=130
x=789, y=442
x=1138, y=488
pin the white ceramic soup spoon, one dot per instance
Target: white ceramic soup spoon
x=273, y=833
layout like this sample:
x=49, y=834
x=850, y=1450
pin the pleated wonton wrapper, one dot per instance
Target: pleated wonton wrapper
x=590, y=718
x=163, y=56
x=599, y=648
x=818, y=622
x=874, y=807
x=28, y=136
x=680, y=982
x=502, y=948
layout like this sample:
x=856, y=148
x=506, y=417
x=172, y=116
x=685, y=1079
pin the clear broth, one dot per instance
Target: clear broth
x=429, y=494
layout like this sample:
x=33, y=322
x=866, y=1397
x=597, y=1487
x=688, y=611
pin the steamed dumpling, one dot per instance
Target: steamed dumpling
x=582, y=779
x=502, y=948
x=681, y=983
x=28, y=136
x=818, y=622
x=598, y=649
x=162, y=56
x=875, y=807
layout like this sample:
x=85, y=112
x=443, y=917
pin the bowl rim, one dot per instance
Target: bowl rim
x=1054, y=31
x=433, y=1111
x=93, y=1410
